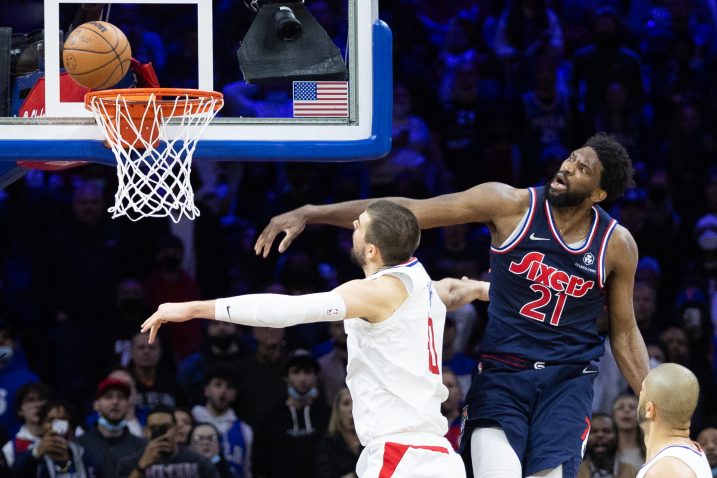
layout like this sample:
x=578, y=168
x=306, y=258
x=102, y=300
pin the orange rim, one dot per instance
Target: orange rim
x=139, y=96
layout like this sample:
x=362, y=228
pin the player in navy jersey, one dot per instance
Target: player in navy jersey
x=558, y=263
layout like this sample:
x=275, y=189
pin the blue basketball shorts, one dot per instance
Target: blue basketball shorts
x=543, y=409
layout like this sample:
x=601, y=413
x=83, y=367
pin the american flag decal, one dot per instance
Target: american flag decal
x=321, y=99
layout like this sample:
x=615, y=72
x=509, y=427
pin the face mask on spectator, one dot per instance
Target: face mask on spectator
x=311, y=394
x=222, y=342
x=6, y=352
x=113, y=427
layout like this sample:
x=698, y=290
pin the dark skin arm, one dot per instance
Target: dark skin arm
x=498, y=205
x=625, y=338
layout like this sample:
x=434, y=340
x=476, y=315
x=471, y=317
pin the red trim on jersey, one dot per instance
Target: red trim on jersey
x=532, y=207
x=586, y=431
x=406, y=263
x=393, y=453
x=556, y=235
x=601, y=253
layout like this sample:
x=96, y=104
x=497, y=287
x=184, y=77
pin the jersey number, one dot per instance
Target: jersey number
x=530, y=309
x=432, y=355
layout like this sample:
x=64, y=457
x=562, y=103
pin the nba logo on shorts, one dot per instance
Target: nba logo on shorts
x=588, y=259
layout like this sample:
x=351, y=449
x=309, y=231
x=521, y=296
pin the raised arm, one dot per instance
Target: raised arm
x=625, y=338
x=373, y=300
x=455, y=293
x=482, y=203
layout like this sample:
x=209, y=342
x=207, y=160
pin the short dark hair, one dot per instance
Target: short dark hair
x=302, y=360
x=222, y=372
x=617, y=170
x=394, y=229
x=31, y=387
x=69, y=409
x=162, y=408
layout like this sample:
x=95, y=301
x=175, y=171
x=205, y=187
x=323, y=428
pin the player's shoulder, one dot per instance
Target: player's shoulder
x=621, y=242
x=670, y=466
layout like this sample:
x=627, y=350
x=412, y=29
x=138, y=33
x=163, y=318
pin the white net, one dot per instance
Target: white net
x=153, y=135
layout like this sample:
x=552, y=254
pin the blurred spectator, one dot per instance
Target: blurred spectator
x=463, y=111
x=410, y=156
x=185, y=422
x=645, y=305
x=109, y=440
x=609, y=383
x=708, y=441
x=220, y=391
x=57, y=453
x=620, y=116
x=600, y=460
x=131, y=311
x=677, y=345
x=161, y=456
x=332, y=375
x=154, y=385
x=14, y=373
x=525, y=30
x=604, y=61
x=337, y=453
x=631, y=441
x=262, y=386
x=455, y=360
x=545, y=116
x=451, y=408
x=204, y=440
x=693, y=317
x=28, y=401
x=285, y=442
x=136, y=416
x=83, y=260
x=222, y=346
x=168, y=282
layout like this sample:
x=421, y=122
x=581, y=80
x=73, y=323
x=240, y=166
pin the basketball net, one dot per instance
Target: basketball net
x=153, y=133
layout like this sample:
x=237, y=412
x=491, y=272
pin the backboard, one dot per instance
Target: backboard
x=192, y=44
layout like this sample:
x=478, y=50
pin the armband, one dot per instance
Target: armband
x=279, y=311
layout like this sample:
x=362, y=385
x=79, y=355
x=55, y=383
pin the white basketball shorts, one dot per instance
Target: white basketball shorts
x=410, y=455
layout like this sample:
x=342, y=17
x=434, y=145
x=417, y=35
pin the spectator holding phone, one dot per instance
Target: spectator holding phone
x=57, y=453
x=161, y=456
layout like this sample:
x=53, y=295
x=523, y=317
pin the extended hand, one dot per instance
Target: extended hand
x=480, y=288
x=170, y=312
x=291, y=223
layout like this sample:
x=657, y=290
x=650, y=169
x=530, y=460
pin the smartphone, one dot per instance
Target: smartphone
x=157, y=431
x=61, y=427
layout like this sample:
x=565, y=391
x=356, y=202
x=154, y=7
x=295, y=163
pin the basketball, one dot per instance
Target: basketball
x=97, y=55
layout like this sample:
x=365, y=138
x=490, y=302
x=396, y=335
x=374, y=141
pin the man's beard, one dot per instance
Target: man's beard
x=566, y=199
x=641, y=413
x=357, y=257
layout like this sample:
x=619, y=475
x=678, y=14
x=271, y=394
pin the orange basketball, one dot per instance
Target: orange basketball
x=97, y=55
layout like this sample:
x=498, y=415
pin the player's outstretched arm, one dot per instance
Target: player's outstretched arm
x=374, y=300
x=478, y=204
x=625, y=338
x=458, y=292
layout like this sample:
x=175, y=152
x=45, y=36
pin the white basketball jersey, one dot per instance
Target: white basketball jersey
x=694, y=458
x=394, y=367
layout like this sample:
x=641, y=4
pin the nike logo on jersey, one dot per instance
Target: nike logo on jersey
x=228, y=314
x=533, y=237
x=588, y=370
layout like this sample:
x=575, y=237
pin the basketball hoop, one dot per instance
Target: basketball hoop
x=153, y=133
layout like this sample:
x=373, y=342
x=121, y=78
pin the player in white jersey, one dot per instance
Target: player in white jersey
x=667, y=401
x=395, y=319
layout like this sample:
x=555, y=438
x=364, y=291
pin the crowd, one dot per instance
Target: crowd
x=484, y=90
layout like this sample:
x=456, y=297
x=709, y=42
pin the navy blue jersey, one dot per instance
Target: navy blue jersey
x=546, y=297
